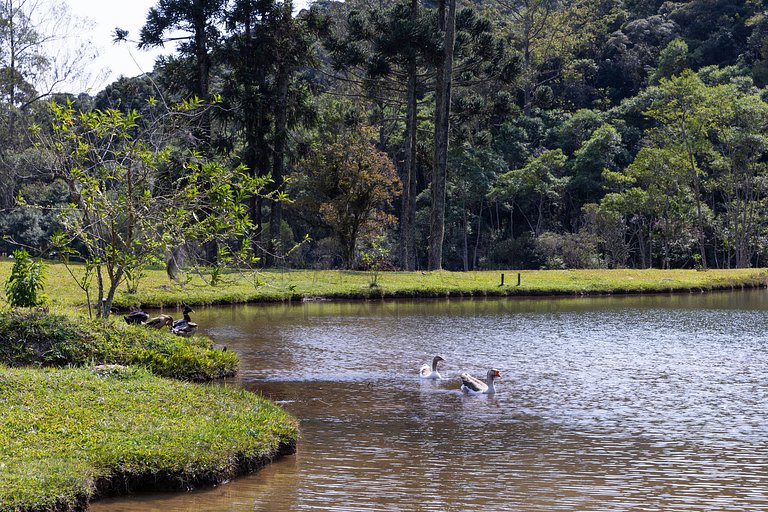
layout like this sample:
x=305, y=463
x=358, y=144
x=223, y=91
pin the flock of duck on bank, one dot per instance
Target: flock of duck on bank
x=182, y=327
x=469, y=384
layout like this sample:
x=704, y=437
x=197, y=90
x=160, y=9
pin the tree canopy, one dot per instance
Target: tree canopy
x=457, y=135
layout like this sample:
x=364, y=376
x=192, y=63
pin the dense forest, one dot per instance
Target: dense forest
x=398, y=134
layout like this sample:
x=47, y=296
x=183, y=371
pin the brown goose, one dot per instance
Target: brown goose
x=474, y=386
x=159, y=321
x=425, y=372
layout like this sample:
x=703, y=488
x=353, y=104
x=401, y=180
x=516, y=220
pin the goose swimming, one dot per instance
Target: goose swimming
x=425, y=372
x=474, y=386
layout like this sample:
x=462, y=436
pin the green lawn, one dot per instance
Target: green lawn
x=69, y=435
x=275, y=285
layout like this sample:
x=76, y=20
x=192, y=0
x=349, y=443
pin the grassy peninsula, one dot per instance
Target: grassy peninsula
x=34, y=338
x=126, y=419
x=71, y=435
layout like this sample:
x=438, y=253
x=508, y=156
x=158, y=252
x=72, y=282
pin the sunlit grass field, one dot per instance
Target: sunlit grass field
x=157, y=290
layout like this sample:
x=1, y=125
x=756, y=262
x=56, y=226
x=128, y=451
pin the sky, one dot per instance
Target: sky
x=124, y=59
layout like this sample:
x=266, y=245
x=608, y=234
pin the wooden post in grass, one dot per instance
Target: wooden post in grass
x=502, y=280
x=518, y=279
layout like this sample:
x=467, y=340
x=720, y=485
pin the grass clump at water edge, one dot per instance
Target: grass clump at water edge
x=33, y=338
x=72, y=435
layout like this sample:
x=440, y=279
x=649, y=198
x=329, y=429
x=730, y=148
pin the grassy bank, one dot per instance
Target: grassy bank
x=157, y=291
x=29, y=338
x=70, y=435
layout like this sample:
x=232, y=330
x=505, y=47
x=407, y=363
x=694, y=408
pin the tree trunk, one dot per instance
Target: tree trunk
x=477, y=235
x=442, y=126
x=465, y=241
x=699, y=212
x=203, y=70
x=408, y=208
x=274, y=249
x=641, y=246
x=203, y=63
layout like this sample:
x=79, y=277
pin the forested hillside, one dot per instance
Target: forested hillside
x=400, y=135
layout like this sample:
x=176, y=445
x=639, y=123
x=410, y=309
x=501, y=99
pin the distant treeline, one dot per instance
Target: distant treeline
x=400, y=135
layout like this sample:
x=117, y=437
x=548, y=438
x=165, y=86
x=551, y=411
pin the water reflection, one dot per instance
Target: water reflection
x=623, y=403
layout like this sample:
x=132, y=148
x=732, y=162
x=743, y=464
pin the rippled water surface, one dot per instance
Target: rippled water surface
x=629, y=403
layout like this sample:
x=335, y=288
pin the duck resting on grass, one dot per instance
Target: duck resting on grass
x=185, y=326
x=136, y=317
x=159, y=321
x=425, y=372
x=474, y=386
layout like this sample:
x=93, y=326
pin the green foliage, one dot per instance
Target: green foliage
x=351, y=184
x=599, y=82
x=27, y=281
x=569, y=250
x=375, y=257
x=597, y=154
x=126, y=210
x=540, y=183
x=672, y=61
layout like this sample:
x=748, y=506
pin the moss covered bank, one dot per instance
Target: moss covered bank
x=73, y=435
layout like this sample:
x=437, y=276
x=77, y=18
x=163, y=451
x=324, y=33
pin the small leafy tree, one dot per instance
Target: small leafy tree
x=27, y=281
x=132, y=198
x=374, y=258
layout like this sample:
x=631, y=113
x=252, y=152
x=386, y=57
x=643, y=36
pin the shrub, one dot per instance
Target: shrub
x=27, y=281
x=568, y=250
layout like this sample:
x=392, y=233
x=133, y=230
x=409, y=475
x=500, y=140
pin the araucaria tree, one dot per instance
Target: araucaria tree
x=123, y=210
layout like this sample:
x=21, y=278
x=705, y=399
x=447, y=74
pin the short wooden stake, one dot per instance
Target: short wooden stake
x=518, y=279
x=502, y=280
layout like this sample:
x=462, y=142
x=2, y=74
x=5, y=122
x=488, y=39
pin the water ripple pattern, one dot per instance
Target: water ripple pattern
x=611, y=404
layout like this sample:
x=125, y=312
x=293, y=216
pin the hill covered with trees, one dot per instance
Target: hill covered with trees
x=399, y=134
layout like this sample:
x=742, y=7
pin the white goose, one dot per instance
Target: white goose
x=425, y=372
x=474, y=386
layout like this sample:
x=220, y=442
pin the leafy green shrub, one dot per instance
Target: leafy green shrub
x=27, y=281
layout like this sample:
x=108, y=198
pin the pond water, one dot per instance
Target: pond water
x=611, y=404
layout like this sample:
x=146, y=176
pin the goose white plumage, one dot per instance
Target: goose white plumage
x=474, y=386
x=425, y=372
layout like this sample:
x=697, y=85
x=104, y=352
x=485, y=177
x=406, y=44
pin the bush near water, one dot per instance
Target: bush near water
x=32, y=338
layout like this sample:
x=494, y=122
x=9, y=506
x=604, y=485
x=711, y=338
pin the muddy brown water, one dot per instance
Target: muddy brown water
x=650, y=403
